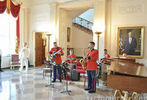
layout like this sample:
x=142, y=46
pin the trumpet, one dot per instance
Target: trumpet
x=83, y=62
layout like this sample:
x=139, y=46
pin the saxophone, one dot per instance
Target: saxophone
x=83, y=62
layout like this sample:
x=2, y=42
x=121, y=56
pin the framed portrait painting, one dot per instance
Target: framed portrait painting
x=130, y=41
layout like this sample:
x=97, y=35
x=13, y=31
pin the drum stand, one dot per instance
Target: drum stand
x=66, y=86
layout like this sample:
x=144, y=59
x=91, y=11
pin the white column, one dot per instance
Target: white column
x=21, y=24
x=26, y=25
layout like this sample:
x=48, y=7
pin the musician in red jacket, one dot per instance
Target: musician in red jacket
x=58, y=61
x=92, y=55
x=106, y=56
x=71, y=58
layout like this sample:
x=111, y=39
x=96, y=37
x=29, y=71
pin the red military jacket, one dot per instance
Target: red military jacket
x=58, y=59
x=92, y=64
x=71, y=56
x=107, y=56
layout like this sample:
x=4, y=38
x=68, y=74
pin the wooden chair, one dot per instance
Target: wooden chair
x=14, y=61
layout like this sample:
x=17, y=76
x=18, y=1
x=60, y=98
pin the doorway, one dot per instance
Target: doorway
x=41, y=50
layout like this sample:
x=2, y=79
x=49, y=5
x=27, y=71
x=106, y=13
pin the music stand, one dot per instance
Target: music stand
x=50, y=84
x=66, y=85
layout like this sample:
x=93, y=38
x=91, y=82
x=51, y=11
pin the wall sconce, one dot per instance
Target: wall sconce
x=48, y=34
x=98, y=33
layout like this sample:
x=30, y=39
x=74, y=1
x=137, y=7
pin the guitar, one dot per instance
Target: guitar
x=53, y=56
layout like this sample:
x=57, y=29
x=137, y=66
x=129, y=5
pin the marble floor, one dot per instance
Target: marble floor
x=15, y=85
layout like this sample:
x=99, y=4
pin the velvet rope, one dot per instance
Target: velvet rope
x=2, y=6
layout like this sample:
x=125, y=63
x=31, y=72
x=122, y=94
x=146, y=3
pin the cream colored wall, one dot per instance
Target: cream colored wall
x=99, y=25
x=64, y=20
x=39, y=17
x=24, y=35
x=128, y=13
x=80, y=41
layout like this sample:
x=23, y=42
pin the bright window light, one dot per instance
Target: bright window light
x=7, y=34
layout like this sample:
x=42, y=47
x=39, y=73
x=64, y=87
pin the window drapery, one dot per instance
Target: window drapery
x=10, y=6
x=14, y=10
x=2, y=6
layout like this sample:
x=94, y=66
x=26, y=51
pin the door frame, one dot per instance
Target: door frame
x=34, y=44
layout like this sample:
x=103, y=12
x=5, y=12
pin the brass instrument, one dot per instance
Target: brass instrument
x=84, y=65
x=83, y=62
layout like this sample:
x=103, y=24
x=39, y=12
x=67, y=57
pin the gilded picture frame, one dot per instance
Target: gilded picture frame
x=130, y=41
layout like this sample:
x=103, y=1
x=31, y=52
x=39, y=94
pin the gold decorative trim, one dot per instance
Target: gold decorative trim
x=125, y=95
x=8, y=6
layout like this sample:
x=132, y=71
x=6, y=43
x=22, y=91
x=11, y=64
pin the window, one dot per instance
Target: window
x=7, y=34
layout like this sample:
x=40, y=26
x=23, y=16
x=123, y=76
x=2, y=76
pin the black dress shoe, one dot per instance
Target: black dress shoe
x=53, y=81
x=91, y=91
x=86, y=89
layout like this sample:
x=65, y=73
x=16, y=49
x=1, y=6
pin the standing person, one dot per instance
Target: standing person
x=0, y=59
x=58, y=61
x=24, y=57
x=92, y=55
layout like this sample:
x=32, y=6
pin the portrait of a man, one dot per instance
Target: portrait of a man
x=130, y=44
x=130, y=41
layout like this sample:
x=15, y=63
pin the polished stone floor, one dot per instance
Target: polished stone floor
x=15, y=85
